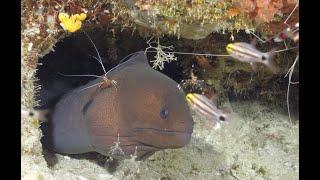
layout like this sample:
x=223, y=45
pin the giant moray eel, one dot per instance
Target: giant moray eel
x=142, y=113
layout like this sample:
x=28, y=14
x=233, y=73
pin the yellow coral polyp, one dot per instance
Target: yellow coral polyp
x=72, y=23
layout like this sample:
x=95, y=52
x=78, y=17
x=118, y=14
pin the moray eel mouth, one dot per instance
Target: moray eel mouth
x=163, y=138
x=163, y=131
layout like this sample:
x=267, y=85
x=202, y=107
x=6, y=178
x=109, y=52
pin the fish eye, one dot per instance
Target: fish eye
x=222, y=118
x=263, y=58
x=164, y=113
x=31, y=114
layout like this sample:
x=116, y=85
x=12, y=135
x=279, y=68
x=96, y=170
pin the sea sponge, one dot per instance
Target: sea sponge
x=72, y=23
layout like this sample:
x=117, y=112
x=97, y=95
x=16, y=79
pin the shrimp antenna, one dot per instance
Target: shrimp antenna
x=84, y=75
x=79, y=75
x=99, y=57
x=91, y=86
x=287, y=49
x=260, y=39
x=285, y=22
x=196, y=54
x=290, y=71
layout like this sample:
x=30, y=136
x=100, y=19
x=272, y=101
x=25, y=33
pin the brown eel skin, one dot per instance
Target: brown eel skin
x=143, y=112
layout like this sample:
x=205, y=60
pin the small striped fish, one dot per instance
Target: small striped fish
x=245, y=52
x=205, y=107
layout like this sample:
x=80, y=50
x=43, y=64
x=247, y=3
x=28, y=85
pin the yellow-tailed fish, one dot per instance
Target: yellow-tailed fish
x=245, y=52
x=204, y=106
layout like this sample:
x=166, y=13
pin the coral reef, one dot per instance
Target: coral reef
x=189, y=26
x=270, y=14
x=196, y=19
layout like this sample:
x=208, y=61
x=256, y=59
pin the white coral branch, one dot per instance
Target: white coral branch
x=161, y=56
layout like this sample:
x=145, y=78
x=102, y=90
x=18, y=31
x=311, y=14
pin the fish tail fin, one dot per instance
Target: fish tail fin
x=270, y=61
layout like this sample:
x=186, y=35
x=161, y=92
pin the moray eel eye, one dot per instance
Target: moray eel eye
x=222, y=118
x=164, y=113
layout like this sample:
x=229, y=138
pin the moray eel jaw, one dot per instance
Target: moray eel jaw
x=163, y=138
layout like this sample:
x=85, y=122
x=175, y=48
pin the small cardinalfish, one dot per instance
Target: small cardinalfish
x=288, y=33
x=245, y=52
x=204, y=106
